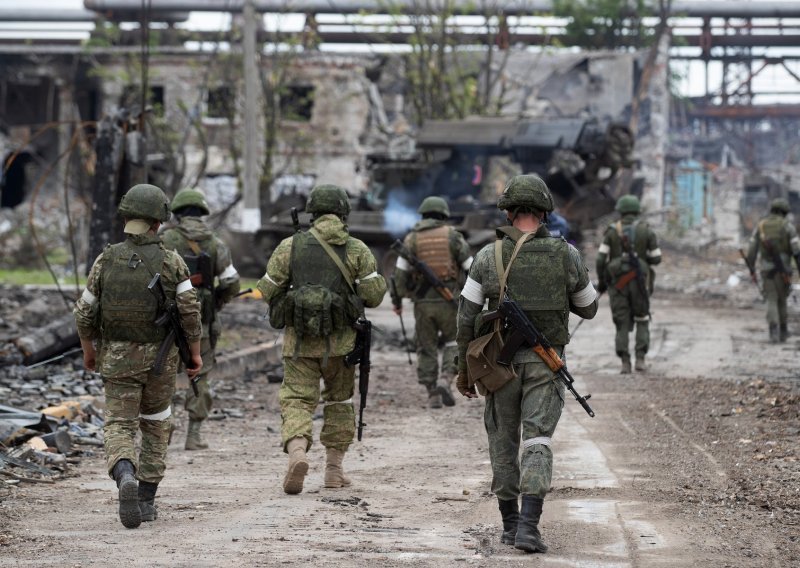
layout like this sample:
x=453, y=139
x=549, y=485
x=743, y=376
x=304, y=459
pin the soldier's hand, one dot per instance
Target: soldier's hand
x=89, y=360
x=601, y=287
x=398, y=310
x=462, y=384
x=197, y=366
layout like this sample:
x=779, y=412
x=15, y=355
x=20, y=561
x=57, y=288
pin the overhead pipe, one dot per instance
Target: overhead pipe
x=712, y=9
x=85, y=15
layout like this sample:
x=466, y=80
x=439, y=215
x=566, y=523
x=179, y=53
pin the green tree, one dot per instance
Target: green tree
x=606, y=24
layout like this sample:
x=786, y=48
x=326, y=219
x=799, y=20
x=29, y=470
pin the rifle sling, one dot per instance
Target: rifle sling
x=502, y=273
x=336, y=260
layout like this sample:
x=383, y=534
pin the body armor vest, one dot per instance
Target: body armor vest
x=127, y=307
x=772, y=229
x=618, y=262
x=538, y=281
x=201, y=259
x=433, y=248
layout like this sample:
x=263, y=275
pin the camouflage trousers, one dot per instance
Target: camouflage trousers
x=435, y=324
x=199, y=407
x=776, y=292
x=629, y=309
x=300, y=393
x=532, y=402
x=140, y=402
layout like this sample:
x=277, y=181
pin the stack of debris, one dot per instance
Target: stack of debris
x=39, y=447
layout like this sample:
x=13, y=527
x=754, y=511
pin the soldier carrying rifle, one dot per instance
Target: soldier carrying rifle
x=317, y=284
x=775, y=240
x=117, y=318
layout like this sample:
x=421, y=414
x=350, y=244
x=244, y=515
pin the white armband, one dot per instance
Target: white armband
x=229, y=272
x=473, y=292
x=184, y=286
x=585, y=297
x=604, y=249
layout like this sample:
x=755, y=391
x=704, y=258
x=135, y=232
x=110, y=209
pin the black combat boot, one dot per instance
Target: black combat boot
x=528, y=536
x=147, y=501
x=774, y=335
x=784, y=333
x=124, y=475
x=510, y=512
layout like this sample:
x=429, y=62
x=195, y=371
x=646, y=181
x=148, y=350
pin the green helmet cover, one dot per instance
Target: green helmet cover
x=526, y=191
x=189, y=197
x=144, y=201
x=328, y=198
x=434, y=204
x=780, y=205
x=628, y=204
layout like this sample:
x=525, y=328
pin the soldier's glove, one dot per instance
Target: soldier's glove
x=601, y=287
x=462, y=384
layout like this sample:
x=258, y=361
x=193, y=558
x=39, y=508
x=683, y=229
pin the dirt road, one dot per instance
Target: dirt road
x=691, y=464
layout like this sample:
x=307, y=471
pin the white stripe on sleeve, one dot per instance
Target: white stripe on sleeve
x=473, y=292
x=654, y=253
x=367, y=277
x=184, y=286
x=402, y=264
x=604, y=249
x=88, y=297
x=585, y=297
x=229, y=272
x=467, y=263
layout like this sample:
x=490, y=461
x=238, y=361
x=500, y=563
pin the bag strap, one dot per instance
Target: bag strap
x=502, y=273
x=335, y=257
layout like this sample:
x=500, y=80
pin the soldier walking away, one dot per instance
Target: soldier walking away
x=216, y=280
x=547, y=278
x=443, y=249
x=624, y=267
x=317, y=284
x=117, y=310
x=775, y=240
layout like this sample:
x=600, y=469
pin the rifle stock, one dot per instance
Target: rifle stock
x=361, y=355
x=753, y=275
x=397, y=302
x=430, y=277
x=523, y=332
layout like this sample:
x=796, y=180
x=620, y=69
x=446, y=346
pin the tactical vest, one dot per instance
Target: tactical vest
x=618, y=262
x=201, y=258
x=772, y=229
x=127, y=307
x=538, y=283
x=319, y=301
x=433, y=248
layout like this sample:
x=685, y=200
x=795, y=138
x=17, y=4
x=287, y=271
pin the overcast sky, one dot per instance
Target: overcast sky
x=690, y=83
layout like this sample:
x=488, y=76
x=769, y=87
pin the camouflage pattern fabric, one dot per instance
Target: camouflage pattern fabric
x=629, y=306
x=300, y=393
x=532, y=402
x=370, y=286
x=130, y=389
x=128, y=400
x=199, y=407
x=783, y=235
x=435, y=325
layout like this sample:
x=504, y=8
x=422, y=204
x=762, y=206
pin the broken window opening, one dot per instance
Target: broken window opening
x=297, y=102
x=13, y=183
x=30, y=101
x=220, y=102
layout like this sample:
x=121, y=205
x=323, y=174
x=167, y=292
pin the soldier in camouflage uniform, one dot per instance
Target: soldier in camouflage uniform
x=216, y=281
x=629, y=295
x=549, y=280
x=317, y=284
x=445, y=251
x=775, y=239
x=114, y=316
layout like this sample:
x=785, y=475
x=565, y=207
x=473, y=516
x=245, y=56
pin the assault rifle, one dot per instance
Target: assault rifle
x=430, y=277
x=753, y=275
x=360, y=355
x=397, y=302
x=171, y=319
x=636, y=272
x=524, y=333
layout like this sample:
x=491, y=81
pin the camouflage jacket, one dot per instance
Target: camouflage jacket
x=194, y=229
x=406, y=278
x=776, y=229
x=125, y=358
x=644, y=241
x=483, y=284
x=370, y=286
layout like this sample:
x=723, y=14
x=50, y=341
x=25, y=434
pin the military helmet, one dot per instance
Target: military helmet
x=328, y=198
x=781, y=205
x=144, y=201
x=628, y=204
x=526, y=191
x=434, y=204
x=189, y=197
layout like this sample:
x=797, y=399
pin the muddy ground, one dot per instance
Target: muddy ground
x=691, y=463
